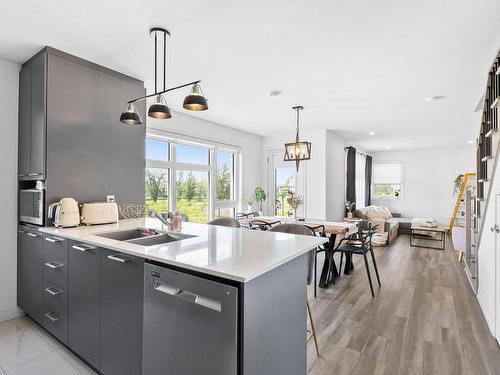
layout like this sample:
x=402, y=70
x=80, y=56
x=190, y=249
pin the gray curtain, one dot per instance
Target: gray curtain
x=368, y=180
x=350, y=190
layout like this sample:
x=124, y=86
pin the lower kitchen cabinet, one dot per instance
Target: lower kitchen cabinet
x=84, y=301
x=122, y=280
x=29, y=272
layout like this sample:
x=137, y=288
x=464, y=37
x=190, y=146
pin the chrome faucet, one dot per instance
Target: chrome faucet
x=165, y=218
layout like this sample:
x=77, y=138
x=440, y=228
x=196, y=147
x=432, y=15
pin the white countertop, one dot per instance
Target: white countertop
x=235, y=254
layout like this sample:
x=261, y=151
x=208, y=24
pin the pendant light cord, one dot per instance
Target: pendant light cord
x=156, y=70
x=164, y=61
x=297, y=135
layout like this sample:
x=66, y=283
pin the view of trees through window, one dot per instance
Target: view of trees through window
x=285, y=182
x=191, y=185
x=387, y=190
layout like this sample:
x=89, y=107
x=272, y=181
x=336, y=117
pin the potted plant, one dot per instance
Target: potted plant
x=457, y=184
x=349, y=206
x=294, y=201
x=260, y=197
x=250, y=203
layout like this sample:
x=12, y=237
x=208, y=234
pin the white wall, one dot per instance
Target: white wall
x=428, y=180
x=9, y=78
x=335, y=177
x=250, y=144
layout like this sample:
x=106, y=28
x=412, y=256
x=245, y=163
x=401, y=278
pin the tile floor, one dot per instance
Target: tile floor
x=25, y=349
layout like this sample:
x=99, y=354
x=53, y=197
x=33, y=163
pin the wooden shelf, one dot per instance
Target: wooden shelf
x=483, y=180
x=489, y=157
x=496, y=103
x=498, y=71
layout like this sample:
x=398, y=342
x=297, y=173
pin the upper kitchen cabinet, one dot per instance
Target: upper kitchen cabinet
x=70, y=134
x=32, y=118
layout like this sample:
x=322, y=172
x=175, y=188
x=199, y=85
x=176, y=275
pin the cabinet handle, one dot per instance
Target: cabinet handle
x=34, y=174
x=197, y=299
x=52, y=316
x=117, y=258
x=54, y=265
x=53, y=291
x=32, y=235
x=21, y=174
x=53, y=239
x=20, y=231
x=83, y=247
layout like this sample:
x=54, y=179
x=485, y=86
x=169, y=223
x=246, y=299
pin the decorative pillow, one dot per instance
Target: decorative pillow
x=373, y=213
x=387, y=213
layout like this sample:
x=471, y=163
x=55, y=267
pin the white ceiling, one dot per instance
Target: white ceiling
x=356, y=66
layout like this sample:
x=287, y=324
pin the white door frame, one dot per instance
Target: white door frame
x=300, y=182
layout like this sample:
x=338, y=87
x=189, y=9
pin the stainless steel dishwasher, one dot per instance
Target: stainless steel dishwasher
x=190, y=324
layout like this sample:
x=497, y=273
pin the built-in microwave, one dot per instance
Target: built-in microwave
x=32, y=204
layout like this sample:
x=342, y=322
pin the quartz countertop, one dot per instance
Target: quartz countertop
x=231, y=253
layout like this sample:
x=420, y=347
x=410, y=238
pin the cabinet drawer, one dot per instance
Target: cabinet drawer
x=56, y=323
x=55, y=261
x=55, y=297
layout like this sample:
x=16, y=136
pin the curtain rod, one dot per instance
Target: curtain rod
x=358, y=152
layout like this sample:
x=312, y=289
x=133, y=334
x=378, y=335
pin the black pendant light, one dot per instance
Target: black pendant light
x=195, y=101
x=298, y=150
x=130, y=116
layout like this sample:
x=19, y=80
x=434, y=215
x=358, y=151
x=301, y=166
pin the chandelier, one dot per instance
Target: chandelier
x=195, y=101
x=298, y=150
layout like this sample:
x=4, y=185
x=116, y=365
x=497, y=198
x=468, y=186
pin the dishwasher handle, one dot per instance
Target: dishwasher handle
x=185, y=295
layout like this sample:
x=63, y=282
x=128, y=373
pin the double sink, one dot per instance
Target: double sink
x=145, y=236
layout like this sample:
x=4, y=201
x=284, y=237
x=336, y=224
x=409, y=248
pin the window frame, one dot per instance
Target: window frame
x=401, y=182
x=173, y=166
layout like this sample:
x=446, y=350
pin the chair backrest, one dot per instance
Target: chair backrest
x=185, y=218
x=245, y=215
x=303, y=230
x=366, y=230
x=257, y=224
x=226, y=222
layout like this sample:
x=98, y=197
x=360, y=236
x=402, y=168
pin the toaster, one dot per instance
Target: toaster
x=99, y=213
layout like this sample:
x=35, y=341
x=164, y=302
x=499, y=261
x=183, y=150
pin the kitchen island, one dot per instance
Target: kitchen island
x=212, y=300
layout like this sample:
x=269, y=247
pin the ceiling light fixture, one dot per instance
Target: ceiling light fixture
x=275, y=93
x=371, y=133
x=195, y=101
x=435, y=98
x=470, y=142
x=297, y=151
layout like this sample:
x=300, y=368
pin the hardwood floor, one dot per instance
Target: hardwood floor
x=423, y=320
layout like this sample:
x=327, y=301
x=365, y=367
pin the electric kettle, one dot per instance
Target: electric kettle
x=67, y=213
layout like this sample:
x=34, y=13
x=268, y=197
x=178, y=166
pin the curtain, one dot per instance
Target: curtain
x=368, y=180
x=360, y=180
x=350, y=186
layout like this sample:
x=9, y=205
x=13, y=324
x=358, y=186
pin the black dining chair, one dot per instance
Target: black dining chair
x=303, y=230
x=318, y=230
x=257, y=224
x=360, y=244
x=226, y=222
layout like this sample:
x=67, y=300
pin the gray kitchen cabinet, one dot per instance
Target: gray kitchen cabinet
x=38, y=116
x=84, y=301
x=32, y=118
x=24, y=131
x=29, y=272
x=122, y=287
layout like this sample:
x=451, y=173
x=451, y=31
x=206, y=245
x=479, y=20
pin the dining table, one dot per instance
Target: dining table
x=332, y=229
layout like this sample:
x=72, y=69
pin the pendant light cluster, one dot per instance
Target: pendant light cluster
x=195, y=101
x=298, y=150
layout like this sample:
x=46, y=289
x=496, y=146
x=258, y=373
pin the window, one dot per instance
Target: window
x=199, y=180
x=285, y=178
x=387, y=180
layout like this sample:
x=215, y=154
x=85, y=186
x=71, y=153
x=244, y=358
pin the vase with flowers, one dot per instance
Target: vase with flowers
x=294, y=201
x=349, y=206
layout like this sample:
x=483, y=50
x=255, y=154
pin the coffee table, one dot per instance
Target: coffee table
x=428, y=235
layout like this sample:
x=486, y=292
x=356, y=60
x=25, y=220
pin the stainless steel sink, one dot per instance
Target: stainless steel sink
x=162, y=238
x=144, y=236
x=129, y=234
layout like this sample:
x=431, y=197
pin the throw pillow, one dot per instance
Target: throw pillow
x=387, y=213
x=372, y=213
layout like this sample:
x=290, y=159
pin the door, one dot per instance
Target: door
x=37, y=137
x=190, y=324
x=283, y=177
x=24, y=134
x=84, y=301
x=122, y=288
x=497, y=267
x=29, y=272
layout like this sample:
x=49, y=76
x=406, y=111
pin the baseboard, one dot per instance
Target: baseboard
x=490, y=324
x=9, y=314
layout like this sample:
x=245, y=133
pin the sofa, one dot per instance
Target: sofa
x=392, y=223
